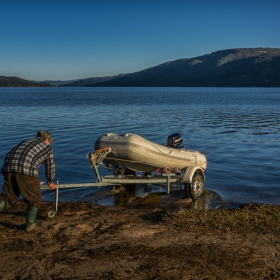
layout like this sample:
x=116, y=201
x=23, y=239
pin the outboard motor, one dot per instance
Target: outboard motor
x=174, y=140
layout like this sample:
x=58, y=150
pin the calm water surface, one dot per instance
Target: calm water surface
x=237, y=128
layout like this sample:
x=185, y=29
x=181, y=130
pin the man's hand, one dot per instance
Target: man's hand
x=52, y=186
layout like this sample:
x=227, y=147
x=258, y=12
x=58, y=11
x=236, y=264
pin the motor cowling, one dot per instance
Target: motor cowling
x=174, y=140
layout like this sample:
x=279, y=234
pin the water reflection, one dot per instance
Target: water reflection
x=144, y=194
x=208, y=200
x=155, y=195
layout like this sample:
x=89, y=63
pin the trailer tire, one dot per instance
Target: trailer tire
x=196, y=187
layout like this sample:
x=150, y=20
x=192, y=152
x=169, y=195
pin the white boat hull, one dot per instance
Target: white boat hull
x=137, y=153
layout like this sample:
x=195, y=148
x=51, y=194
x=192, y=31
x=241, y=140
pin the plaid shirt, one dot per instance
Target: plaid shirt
x=27, y=156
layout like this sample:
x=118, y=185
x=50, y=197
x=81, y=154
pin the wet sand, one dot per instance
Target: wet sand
x=151, y=238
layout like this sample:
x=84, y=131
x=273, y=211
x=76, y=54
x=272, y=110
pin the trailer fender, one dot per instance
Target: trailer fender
x=189, y=172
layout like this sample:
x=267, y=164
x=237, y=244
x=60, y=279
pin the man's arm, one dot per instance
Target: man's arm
x=50, y=169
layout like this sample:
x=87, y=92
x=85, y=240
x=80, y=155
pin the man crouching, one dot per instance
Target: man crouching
x=21, y=176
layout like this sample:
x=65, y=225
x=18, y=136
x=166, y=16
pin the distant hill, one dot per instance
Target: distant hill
x=246, y=67
x=56, y=82
x=18, y=82
x=90, y=81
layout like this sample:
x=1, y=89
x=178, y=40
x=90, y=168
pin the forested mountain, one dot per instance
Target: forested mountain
x=247, y=67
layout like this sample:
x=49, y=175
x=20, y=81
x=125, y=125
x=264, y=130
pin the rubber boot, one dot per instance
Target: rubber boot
x=2, y=205
x=31, y=217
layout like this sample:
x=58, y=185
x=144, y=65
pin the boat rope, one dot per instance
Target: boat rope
x=119, y=159
x=97, y=157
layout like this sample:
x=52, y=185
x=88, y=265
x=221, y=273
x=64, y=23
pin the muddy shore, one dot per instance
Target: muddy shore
x=141, y=240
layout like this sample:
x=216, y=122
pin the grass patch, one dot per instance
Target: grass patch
x=262, y=218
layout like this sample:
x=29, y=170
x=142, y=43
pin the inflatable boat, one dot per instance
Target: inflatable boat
x=139, y=154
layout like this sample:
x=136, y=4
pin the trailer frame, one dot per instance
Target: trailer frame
x=120, y=178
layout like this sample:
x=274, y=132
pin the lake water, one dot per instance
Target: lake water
x=238, y=129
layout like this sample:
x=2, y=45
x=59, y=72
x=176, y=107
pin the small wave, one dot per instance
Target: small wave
x=229, y=131
x=259, y=133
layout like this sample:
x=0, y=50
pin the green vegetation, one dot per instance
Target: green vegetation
x=263, y=218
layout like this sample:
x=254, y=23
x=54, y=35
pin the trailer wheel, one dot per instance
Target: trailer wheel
x=196, y=188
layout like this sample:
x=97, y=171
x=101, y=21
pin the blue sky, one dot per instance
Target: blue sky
x=62, y=40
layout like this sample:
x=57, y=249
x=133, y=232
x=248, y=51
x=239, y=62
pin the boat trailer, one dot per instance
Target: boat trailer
x=120, y=178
